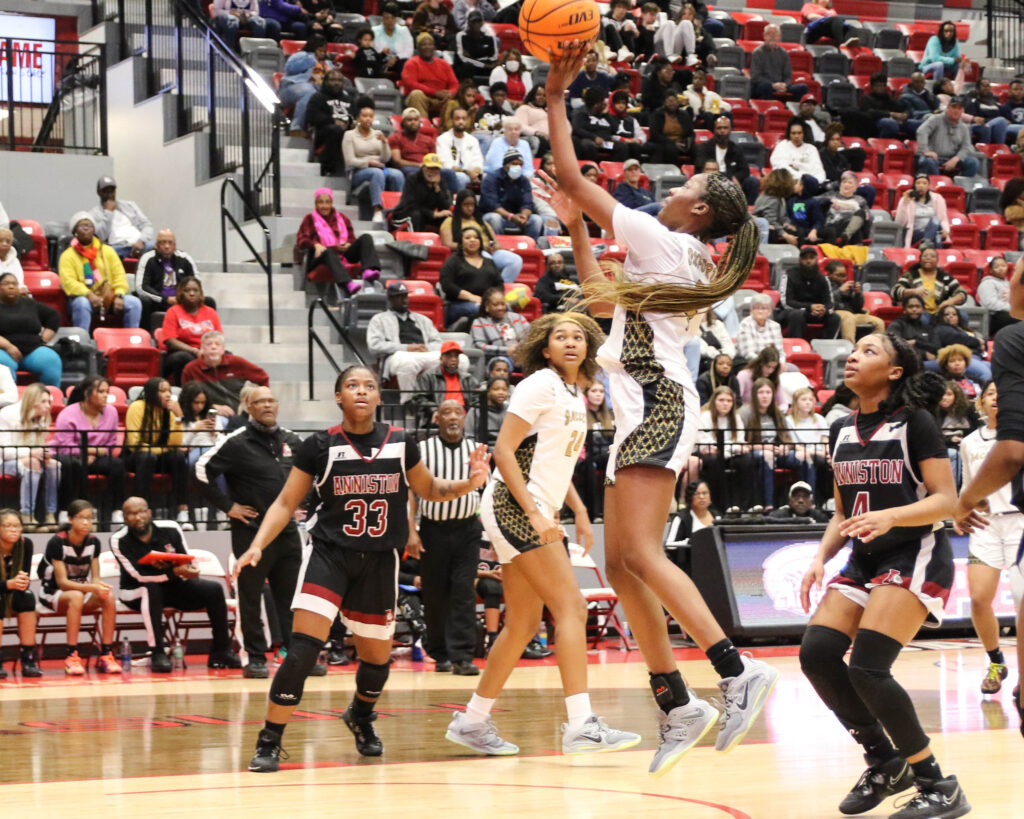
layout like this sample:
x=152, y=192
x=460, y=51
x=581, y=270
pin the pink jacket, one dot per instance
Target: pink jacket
x=905, y=215
x=534, y=120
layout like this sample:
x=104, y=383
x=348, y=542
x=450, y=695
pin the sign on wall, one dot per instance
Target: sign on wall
x=30, y=61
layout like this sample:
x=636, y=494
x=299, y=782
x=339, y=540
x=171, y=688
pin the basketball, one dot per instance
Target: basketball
x=517, y=297
x=552, y=24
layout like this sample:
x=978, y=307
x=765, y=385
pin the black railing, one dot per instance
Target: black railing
x=53, y=96
x=265, y=263
x=1006, y=31
x=314, y=338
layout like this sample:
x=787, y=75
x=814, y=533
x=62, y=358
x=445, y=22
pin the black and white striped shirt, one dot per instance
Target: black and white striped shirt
x=449, y=462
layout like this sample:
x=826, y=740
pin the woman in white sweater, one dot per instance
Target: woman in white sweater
x=798, y=155
x=367, y=155
x=24, y=431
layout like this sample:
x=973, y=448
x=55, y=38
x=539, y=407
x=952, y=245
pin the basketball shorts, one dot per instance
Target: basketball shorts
x=506, y=524
x=655, y=423
x=50, y=599
x=997, y=544
x=363, y=586
x=923, y=567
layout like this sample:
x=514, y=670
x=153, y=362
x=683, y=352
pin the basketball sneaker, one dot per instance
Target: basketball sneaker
x=268, y=753
x=367, y=741
x=595, y=737
x=108, y=665
x=880, y=781
x=935, y=799
x=744, y=697
x=680, y=729
x=481, y=737
x=73, y=665
x=994, y=677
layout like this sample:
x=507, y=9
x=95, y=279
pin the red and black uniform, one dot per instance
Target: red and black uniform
x=77, y=563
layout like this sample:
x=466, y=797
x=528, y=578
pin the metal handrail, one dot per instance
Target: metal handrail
x=266, y=264
x=314, y=338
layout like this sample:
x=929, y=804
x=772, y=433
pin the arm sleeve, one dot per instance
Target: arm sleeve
x=447, y=278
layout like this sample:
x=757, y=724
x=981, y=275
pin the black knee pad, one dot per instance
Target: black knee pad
x=370, y=679
x=821, y=650
x=872, y=659
x=290, y=679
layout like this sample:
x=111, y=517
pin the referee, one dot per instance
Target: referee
x=448, y=545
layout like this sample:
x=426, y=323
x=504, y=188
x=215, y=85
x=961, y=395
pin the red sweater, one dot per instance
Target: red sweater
x=225, y=381
x=180, y=324
x=307, y=235
x=418, y=75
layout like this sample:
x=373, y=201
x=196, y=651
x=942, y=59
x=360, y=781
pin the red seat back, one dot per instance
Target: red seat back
x=38, y=258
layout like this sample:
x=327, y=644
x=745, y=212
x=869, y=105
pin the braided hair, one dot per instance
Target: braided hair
x=730, y=217
x=916, y=388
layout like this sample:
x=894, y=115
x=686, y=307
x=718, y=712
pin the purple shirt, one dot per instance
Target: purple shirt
x=72, y=419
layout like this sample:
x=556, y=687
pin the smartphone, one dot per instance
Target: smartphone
x=211, y=413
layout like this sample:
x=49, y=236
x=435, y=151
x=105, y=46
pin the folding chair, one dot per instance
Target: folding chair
x=601, y=601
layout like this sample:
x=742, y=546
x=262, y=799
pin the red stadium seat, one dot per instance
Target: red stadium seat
x=38, y=258
x=810, y=364
x=131, y=357
x=980, y=258
x=1006, y=165
x=776, y=119
x=44, y=286
x=897, y=183
x=1002, y=237
x=802, y=61
x=965, y=236
x=508, y=36
x=745, y=119
x=955, y=196
x=429, y=269
x=904, y=257
x=865, y=64
x=965, y=273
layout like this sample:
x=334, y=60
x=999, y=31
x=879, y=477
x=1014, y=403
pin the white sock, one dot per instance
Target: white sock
x=578, y=708
x=479, y=709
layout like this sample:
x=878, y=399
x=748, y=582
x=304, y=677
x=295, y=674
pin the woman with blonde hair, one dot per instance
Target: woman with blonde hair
x=24, y=433
x=809, y=432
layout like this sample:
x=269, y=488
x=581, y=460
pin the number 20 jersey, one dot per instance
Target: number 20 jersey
x=360, y=489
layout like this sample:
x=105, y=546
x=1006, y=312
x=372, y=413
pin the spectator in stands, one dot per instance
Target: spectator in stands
x=630, y=192
x=705, y=105
x=809, y=432
x=510, y=71
x=445, y=381
x=93, y=278
x=920, y=102
x=942, y=52
x=804, y=215
x=719, y=374
x=467, y=98
x=776, y=188
x=16, y=598
x=303, y=73
x=729, y=156
x=429, y=82
x=800, y=506
x=291, y=17
x=1013, y=110
x=466, y=213
x=120, y=223
x=691, y=37
x=463, y=8
x=497, y=330
x=647, y=32
x=848, y=298
x=495, y=404
x=152, y=443
x=230, y=17
x=509, y=139
x=591, y=77
x=201, y=425
x=465, y=276
x=763, y=365
x=490, y=117
x=9, y=262
x=816, y=118
x=888, y=113
x=836, y=160
x=185, y=323
x=24, y=434
x=847, y=214
x=507, y=198
x=771, y=72
x=985, y=114
x=392, y=36
x=476, y=48
x=1011, y=203
x=321, y=19
x=626, y=129
x=436, y=19
x=913, y=327
x=722, y=446
x=370, y=62
x=759, y=330
x=592, y=130
x=806, y=298
x=426, y=201
x=949, y=329
x=672, y=130
x=619, y=30
x=159, y=273
x=957, y=418
x=923, y=214
x=821, y=21
x=411, y=144
x=772, y=445
x=223, y=374
x=328, y=114
x=797, y=153
x=558, y=289
x=366, y=152
x=88, y=419
x=329, y=239
x=994, y=295
x=460, y=151
x=149, y=588
x=925, y=279
x=26, y=327
x=660, y=84
x=533, y=120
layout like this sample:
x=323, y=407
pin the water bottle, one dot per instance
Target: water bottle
x=126, y=655
x=177, y=656
x=542, y=635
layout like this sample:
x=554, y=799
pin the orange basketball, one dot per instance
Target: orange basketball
x=553, y=24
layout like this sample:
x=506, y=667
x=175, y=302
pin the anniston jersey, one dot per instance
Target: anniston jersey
x=77, y=560
x=875, y=461
x=361, y=491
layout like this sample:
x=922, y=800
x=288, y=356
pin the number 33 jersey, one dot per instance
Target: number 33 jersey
x=876, y=461
x=360, y=489
x=557, y=415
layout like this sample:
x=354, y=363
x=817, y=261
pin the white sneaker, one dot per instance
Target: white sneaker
x=594, y=737
x=744, y=696
x=378, y=219
x=117, y=517
x=62, y=517
x=680, y=729
x=481, y=737
x=184, y=522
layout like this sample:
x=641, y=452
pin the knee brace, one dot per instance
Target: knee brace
x=370, y=679
x=821, y=652
x=871, y=675
x=290, y=679
x=821, y=659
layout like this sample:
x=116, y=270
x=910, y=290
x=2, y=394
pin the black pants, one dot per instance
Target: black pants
x=150, y=600
x=728, y=490
x=448, y=571
x=174, y=363
x=21, y=601
x=588, y=150
x=361, y=252
x=796, y=321
x=73, y=479
x=279, y=567
x=329, y=137
x=145, y=464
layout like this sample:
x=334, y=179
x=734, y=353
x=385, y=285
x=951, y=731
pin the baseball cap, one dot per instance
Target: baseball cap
x=450, y=346
x=957, y=101
x=631, y=163
x=808, y=98
x=475, y=14
x=410, y=112
x=105, y=182
x=431, y=161
x=510, y=155
x=800, y=486
x=397, y=288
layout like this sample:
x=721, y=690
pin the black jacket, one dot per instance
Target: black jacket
x=323, y=110
x=419, y=200
x=255, y=465
x=587, y=125
x=878, y=106
x=152, y=287
x=736, y=165
x=431, y=389
x=128, y=550
x=550, y=295
x=799, y=292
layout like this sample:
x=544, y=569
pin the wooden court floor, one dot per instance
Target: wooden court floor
x=178, y=746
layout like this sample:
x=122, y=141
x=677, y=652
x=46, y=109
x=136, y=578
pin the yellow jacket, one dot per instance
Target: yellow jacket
x=72, y=271
x=133, y=436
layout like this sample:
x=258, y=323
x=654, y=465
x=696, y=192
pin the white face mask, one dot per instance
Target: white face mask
x=515, y=171
x=512, y=65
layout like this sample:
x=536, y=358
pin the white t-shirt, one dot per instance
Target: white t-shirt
x=707, y=435
x=973, y=451
x=558, y=419
x=811, y=430
x=122, y=231
x=657, y=254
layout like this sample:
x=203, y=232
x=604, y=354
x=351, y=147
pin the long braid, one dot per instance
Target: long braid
x=730, y=217
x=917, y=388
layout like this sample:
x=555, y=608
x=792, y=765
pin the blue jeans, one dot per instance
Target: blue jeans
x=81, y=311
x=929, y=232
x=992, y=132
x=126, y=251
x=978, y=370
x=454, y=310
x=691, y=351
x=725, y=310
x=227, y=28
x=31, y=480
x=379, y=179
x=297, y=94
x=932, y=167
x=43, y=361
x=939, y=69
x=499, y=224
x=509, y=263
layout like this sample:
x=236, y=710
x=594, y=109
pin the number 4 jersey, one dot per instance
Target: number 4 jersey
x=876, y=463
x=360, y=486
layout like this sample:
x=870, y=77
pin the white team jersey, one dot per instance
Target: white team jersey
x=657, y=254
x=973, y=451
x=558, y=419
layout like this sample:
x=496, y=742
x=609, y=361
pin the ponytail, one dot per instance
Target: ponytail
x=916, y=388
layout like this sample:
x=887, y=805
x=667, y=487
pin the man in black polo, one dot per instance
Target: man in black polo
x=149, y=588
